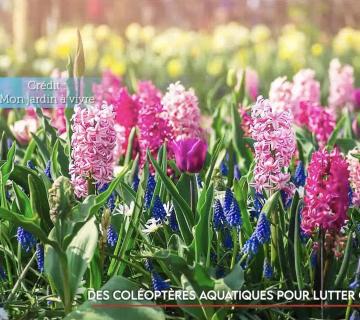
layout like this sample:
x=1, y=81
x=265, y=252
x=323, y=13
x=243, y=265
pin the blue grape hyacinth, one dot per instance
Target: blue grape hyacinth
x=135, y=183
x=267, y=270
x=299, y=177
x=158, y=283
x=219, y=217
x=47, y=170
x=262, y=230
x=224, y=170
x=233, y=216
x=251, y=246
x=228, y=200
x=40, y=257
x=30, y=165
x=158, y=211
x=150, y=187
x=26, y=239
x=173, y=222
x=227, y=241
x=112, y=236
x=258, y=204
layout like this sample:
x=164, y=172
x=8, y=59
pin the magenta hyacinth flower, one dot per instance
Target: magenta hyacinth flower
x=354, y=168
x=318, y=120
x=326, y=192
x=92, y=144
x=183, y=111
x=274, y=145
x=341, y=85
x=280, y=94
x=147, y=93
x=356, y=98
x=190, y=154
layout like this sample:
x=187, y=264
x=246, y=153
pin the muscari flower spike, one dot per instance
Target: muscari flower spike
x=251, y=246
x=262, y=230
x=135, y=183
x=112, y=236
x=110, y=203
x=227, y=240
x=233, y=216
x=228, y=200
x=355, y=315
x=219, y=217
x=224, y=170
x=148, y=265
x=26, y=239
x=237, y=173
x=299, y=177
x=258, y=204
x=173, y=222
x=199, y=181
x=30, y=165
x=40, y=257
x=47, y=170
x=286, y=198
x=158, y=283
x=150, y=187
x=158, y=211
x=268, y=270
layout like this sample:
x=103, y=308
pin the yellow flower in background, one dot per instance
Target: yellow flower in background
x=41, y=46
x=117, y=66
x=260, y=33
x=133, y=32
x=240, y=59
x=230, y=36
x=292, y=45
x=346, y=40
x=102, y=32
x=317, y=49
x=174, y=68
x=215, y=66
x=147, y=33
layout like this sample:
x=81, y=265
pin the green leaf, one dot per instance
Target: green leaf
x=80, y=252
x=241, y=194
x=203, y=230
x=233, y=281
x=214, y=156
x=44, y=152
x=345, y=263
x=59, y=161
x=335, y=133
x=297, y=252
x=39, y=201
x=23, y=202
x=129, y=150
x=88, y=311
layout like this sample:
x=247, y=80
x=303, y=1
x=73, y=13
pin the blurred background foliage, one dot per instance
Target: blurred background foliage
x=193, y=41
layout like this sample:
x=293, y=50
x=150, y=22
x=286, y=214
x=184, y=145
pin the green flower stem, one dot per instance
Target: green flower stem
x=274, y=237
x=235, y=237
x=348, y=309
x=65, y=271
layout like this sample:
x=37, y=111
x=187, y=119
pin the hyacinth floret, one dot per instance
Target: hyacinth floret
x=267, y=270
x=274, y=145
x=299, y=177
x=182, y=111
x=326, y=192
x=354, y=169
x=92, y=144
x=233, y=215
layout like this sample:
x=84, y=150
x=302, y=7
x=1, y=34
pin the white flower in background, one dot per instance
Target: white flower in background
x=124, y=209
x=3, y=314
x=152, y=225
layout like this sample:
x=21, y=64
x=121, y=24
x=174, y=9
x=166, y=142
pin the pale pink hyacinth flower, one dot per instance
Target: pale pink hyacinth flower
x=280, y=94
x=57, y=116
x=182, y=111
x=92, y=143
x=341, y=91
x=22, y=129
x=274, y=145
x=354, y=168
x=305, y=88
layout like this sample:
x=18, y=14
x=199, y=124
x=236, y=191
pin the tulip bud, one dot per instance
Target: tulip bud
x=61, y=198
x=79, y=60
x=190, y=154
x=231, y=78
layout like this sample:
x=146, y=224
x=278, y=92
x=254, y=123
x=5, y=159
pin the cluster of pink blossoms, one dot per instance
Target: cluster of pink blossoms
x=153, y=127
x=318, y=120
x=126, y=108
x=182, y=110
x=92, y=144
x=326, y=192
x=280, y=94
x=274, y=146
x=354, y=168
x=341, y=85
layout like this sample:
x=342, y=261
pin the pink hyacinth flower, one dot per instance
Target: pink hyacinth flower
x=280, y=95
x=274, y=145
x=326, y=192
x=354, y=168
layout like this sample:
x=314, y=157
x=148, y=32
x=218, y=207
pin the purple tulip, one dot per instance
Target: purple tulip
x=356, y=97
x=190, y=154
